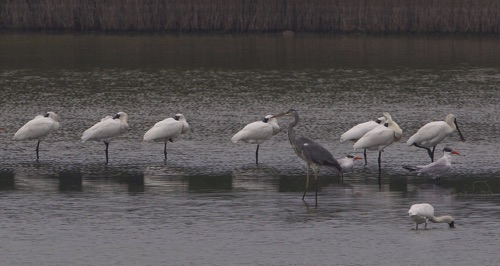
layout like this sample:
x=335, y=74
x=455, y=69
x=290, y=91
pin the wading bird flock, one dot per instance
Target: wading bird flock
x=371, y=135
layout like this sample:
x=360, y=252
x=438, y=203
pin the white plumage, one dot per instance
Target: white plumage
x=346, y=164
x=258, y=132
x=359, y=130
x=38, y=128
x=423, y=212
x=107, y=129
x=431, y=134
x=379, y=138
x=167, y=130
x=435, y=169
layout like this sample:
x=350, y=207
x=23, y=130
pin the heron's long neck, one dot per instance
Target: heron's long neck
x=291, y=134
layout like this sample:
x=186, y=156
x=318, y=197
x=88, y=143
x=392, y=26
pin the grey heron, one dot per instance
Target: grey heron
x=311, y=152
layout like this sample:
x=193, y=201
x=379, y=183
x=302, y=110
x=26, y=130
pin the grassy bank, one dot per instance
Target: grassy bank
x=374, y=16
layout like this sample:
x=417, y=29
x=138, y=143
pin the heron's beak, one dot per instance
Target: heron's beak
x=357, y=158
x=455, y=152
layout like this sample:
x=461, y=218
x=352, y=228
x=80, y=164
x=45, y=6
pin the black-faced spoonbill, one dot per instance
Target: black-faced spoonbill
x=311, y=152
x=423, y=212
x=360, y=130
x=258, y=132
x=379, y=138
x=435, y=169
x=431, y=134
x=346, y=164
x=167, y=130
x=38, y=128
x=107, y=129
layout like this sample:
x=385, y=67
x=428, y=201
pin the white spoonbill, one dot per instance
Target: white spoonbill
x=435, y=169
x=166, y=130
x=258, y=132
x=346, y=164
x=423, y=212
x=379, y=138
x=311, y=152
x=360, y=130
x=107, y=129
x=38, y=128
x=431, y=134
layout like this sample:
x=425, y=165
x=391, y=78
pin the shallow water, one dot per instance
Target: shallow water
x=210, y=204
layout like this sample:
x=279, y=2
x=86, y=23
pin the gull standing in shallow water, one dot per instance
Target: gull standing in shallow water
x=431, y=134
x=38, y=128
x=423, y=212
x=258, y=132
x=437, y=168
x=346, y=164
x=360, y=130
x=379, y=138
x=107, y=129
x=311, y=152
x=167, y=130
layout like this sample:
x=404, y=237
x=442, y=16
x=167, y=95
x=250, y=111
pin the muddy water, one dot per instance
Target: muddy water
x=210, y=203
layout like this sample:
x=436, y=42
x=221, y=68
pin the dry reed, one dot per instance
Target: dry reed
x=374, y=16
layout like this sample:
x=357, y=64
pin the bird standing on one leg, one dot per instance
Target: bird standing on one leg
x=167, y=130
x=257, y=133
x=360, y=130
x=379, y=138
x=38, y=128
x=107, y=129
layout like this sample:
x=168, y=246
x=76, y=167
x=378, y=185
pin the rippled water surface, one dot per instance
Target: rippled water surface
x=210, y=204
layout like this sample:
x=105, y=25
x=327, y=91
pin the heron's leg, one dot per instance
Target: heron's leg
x=417, y=226
x=379, y=169
x=257, y=154
x=307, y=181
x=364, y=153
x=37, y=145
x=107, y=145
x=315, y=168
x=425, y=227
x=165, y=151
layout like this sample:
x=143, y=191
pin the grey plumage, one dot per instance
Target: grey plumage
x=308, y=150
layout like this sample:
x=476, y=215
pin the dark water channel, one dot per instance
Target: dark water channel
x=210, y=204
